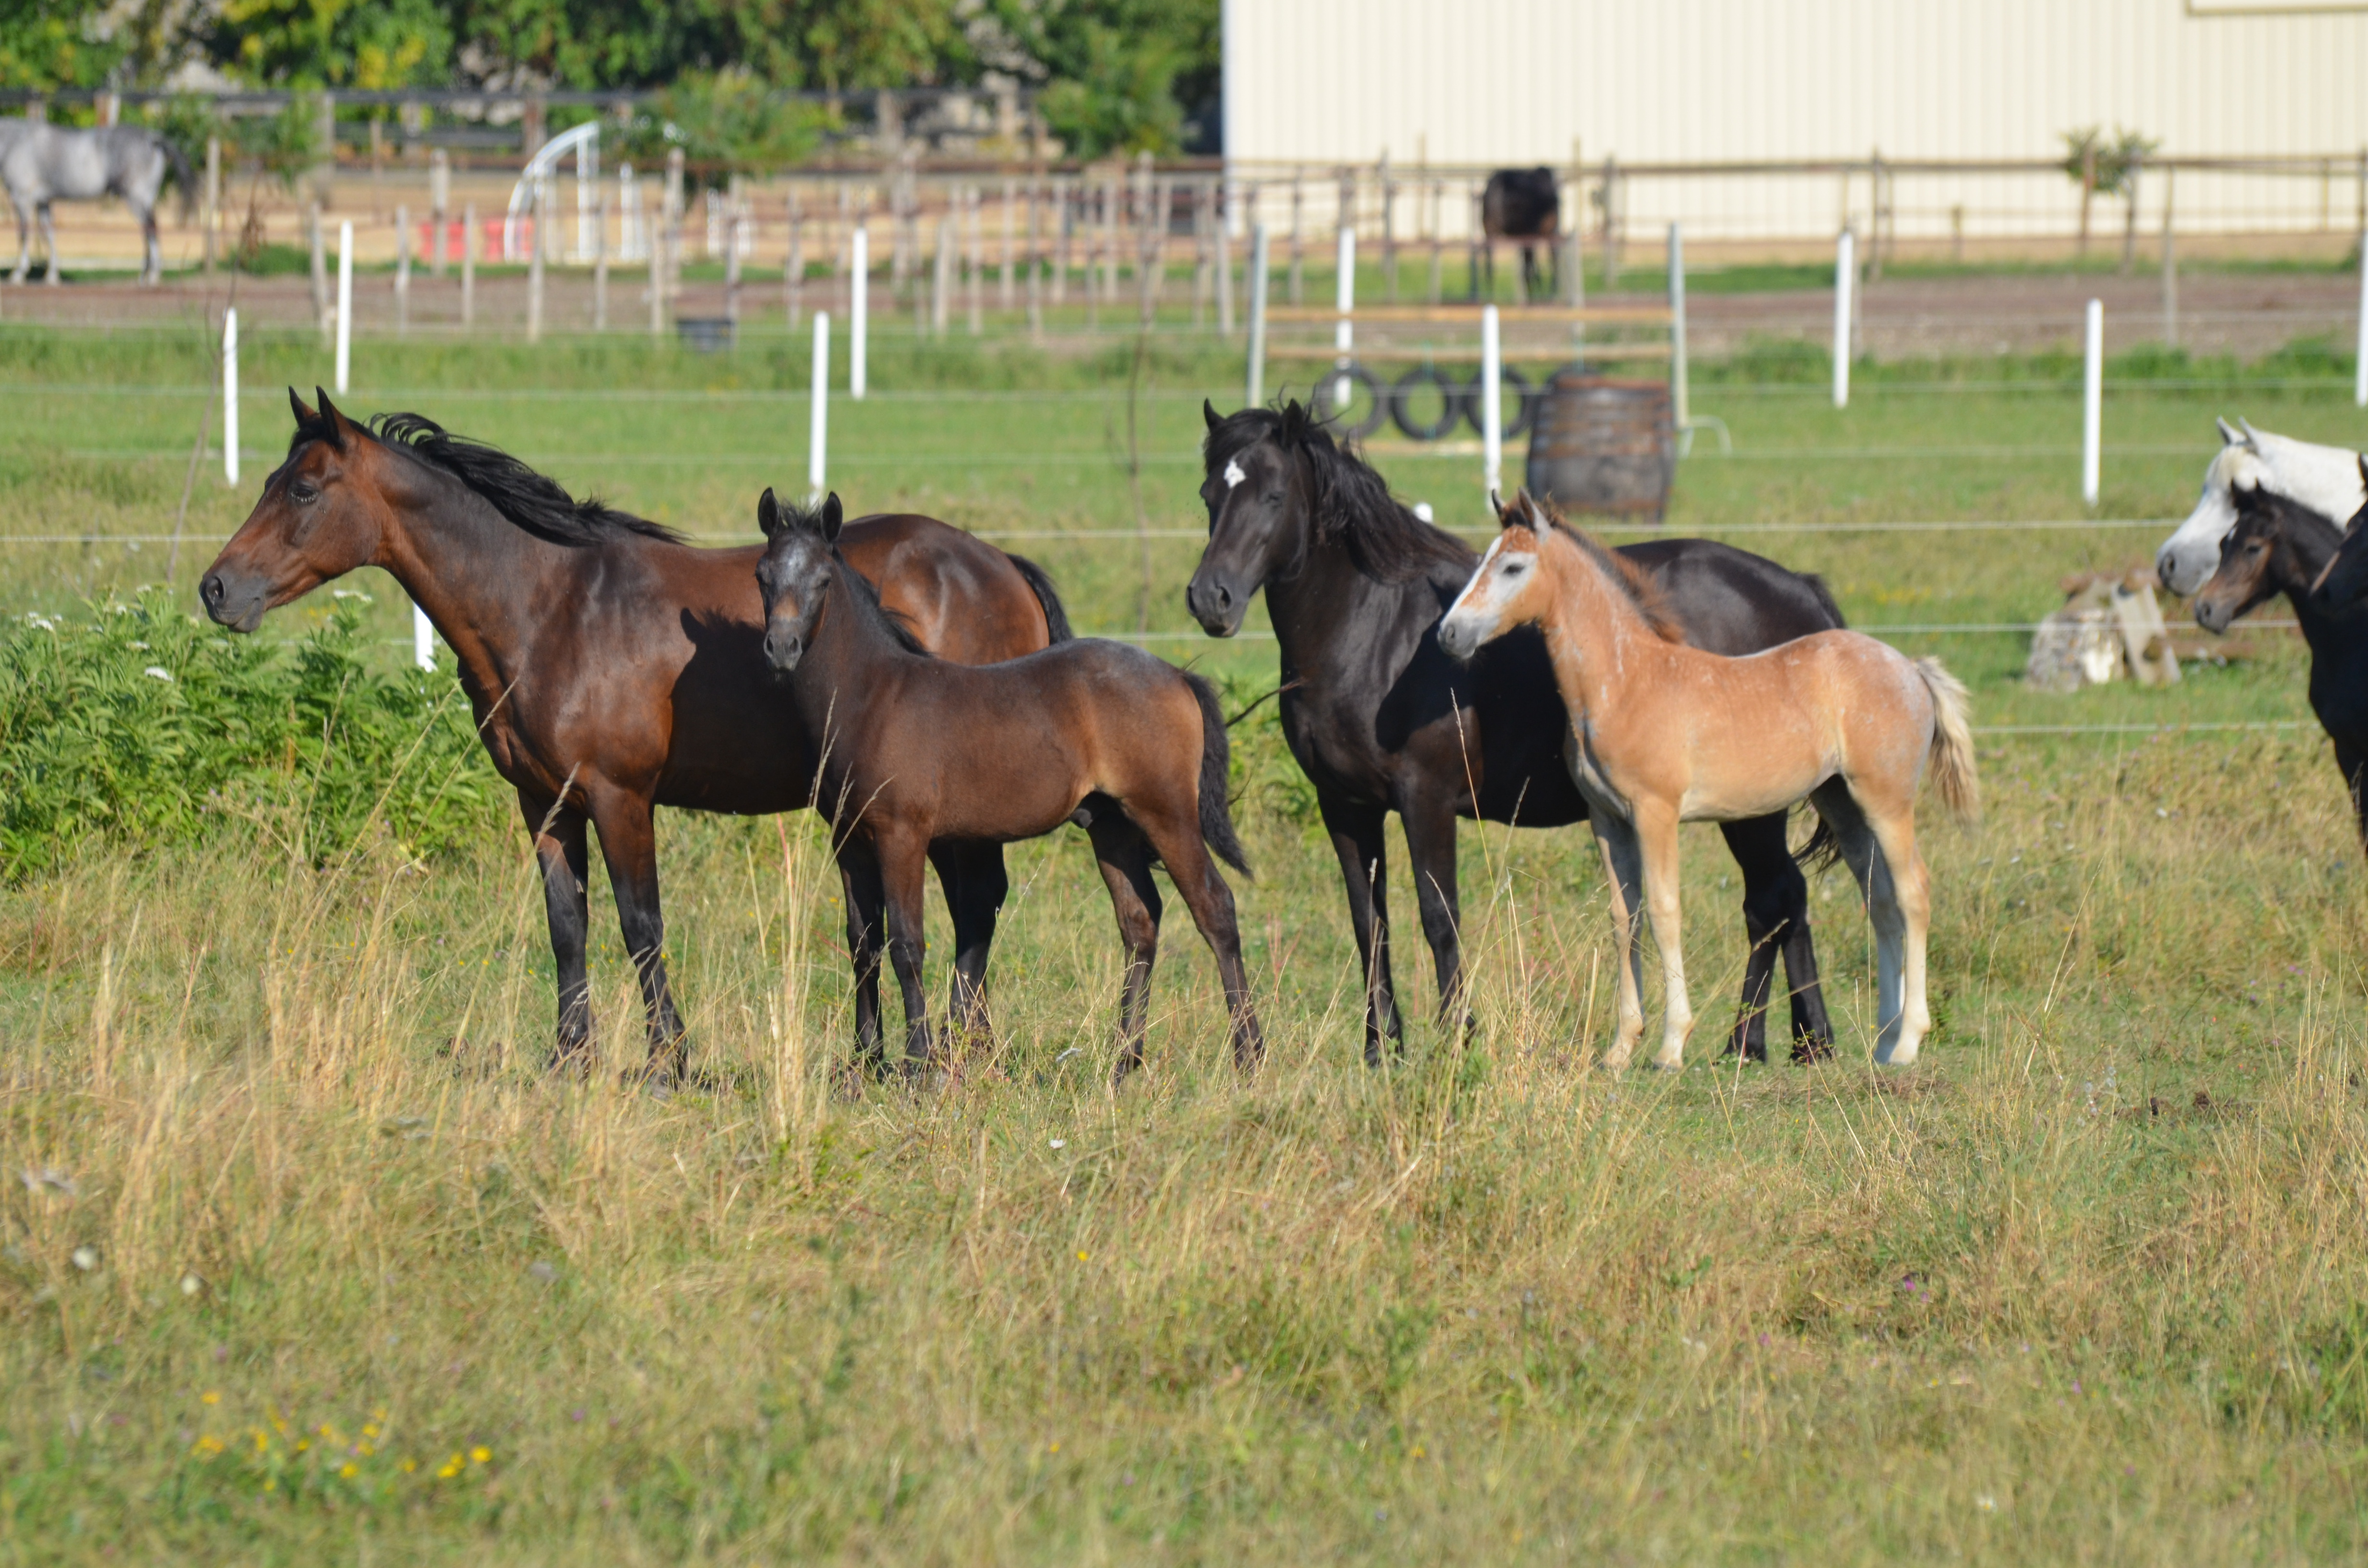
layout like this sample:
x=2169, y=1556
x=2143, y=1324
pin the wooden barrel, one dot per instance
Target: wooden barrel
x=1603, y=445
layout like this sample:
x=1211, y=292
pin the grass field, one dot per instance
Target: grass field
x=302, y=1257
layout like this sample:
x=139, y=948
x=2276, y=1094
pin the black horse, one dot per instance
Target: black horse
x=1524, y=205
x=2280, y=546
x=1383, y=721
x=2345, y=578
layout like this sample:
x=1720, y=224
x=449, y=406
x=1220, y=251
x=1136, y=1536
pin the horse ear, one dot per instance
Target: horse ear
x=333, y=424
x=833, y=518
x=2228, y=435
x=769, y=513
x=303, y=415
x=2253, y=437
x=1209, y=412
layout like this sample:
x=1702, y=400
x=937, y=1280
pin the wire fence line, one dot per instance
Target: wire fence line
x=1131, y=536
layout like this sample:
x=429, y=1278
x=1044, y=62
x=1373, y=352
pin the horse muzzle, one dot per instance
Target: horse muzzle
x=2213, y=614
x=235, y=599
x=783, y=649
x=1216, y=606
x=1459, y=637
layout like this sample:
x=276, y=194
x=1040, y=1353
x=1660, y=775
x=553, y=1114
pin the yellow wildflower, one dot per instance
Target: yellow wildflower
x=481, y=1453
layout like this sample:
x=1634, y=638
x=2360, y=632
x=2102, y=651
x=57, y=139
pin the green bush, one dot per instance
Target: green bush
x=140, y=723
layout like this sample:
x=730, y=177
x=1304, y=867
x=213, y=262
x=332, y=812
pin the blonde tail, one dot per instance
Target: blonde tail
x=1953, y=742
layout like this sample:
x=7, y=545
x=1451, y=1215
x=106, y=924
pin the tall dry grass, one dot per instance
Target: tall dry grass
x=362, y=1277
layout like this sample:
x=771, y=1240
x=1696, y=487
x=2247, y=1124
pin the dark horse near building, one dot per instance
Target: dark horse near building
x=2280, y=546
x=611, y=667
x=1383, y=721
x=1522, y=205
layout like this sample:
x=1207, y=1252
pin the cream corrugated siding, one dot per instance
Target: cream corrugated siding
x=1498, y=82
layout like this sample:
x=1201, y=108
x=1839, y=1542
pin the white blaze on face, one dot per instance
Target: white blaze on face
x=1234, y=474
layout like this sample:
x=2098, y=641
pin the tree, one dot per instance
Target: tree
x=369, y=44
x=1112, y=75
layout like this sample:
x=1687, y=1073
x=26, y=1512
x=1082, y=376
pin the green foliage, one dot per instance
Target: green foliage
x=349, y=44
x=282, y=145
x=55, y=43
x=2117, y=159
x=142, y=722
x=724, y=121
x=1117, y=75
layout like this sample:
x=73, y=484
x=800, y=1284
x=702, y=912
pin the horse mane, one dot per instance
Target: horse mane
x=1630, y=579
x=1352, y=504
x=532, y=501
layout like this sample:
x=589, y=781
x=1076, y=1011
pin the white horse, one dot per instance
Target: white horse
x=2325, y=479
x=41, y=162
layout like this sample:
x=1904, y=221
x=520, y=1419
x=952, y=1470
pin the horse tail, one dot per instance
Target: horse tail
x=1216, y=761
x=1952, y=742
x=1823, y=849
x=1048, y=597
x=184, y=180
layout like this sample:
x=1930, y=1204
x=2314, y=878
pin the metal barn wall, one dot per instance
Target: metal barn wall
x=1499, y=82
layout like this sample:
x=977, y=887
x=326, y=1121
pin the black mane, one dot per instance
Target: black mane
x=532, y=501
x=1353, y=505
x=859, y=588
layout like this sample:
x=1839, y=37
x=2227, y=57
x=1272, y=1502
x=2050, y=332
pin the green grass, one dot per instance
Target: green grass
x=2086, y=1284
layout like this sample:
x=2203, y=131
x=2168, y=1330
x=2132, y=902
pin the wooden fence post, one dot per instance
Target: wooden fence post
x=402, y=270
x=468, y=263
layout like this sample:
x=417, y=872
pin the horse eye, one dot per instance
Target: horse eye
x=303, y=494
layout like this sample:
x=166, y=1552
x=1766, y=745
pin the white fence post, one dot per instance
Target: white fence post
x=818, y=422
x=1254, y=390
x=230, y=395
x=1492, y=402
x=859, y=309
x=1343, y=334
x=345, y=303
x=2360, y=365
x=1678, y=389
x=1845, y=280
x=2092, y=406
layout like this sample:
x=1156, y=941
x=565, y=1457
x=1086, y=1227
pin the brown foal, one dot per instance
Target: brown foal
x=1663, y=733
x=912, y=749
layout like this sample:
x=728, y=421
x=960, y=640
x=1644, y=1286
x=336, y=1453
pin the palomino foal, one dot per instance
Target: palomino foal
x=1663, y=733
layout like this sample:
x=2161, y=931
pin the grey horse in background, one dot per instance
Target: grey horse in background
x=41, y=162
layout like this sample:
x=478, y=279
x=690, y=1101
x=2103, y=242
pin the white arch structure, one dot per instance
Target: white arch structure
x=583, y=141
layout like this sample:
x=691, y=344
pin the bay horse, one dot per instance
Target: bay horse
x=2280, y=546
x=1662, y=733
x=40, y=163
x=1381, y=721
x=613, y=668
x=913, y=749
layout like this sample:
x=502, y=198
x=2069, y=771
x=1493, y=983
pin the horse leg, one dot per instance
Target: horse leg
x=1813, y=1030
x=974, y=883
x=2352, y=762
x=1903, y=912
x=1356, y=832
x=1177, y=842
x=560, y=853
x=24, y=243
x=151, y=253
x=1430, y=847
x=1758, y=845
x=859, y=875
x=1125, y=859
x=1624, y=869
x=1656, y=834
x=629, y=846
x=1863, y=856
x=49, y=243
x=903, y=858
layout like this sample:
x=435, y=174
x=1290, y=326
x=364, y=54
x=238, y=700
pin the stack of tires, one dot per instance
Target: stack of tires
x=1426, y=404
